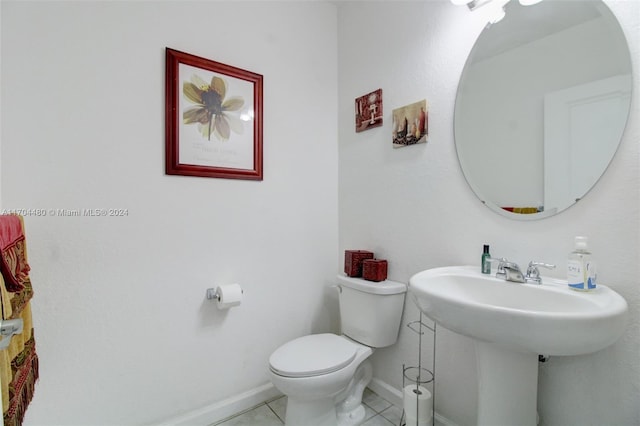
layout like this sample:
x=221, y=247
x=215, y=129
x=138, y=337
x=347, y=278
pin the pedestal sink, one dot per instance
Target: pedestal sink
x=511, y=324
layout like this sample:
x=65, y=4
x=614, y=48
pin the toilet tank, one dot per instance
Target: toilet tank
x=370, y=312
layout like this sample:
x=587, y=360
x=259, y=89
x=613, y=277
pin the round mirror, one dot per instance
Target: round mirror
x=541, y=106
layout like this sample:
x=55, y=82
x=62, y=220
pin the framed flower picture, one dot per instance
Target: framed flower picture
x=213, y=119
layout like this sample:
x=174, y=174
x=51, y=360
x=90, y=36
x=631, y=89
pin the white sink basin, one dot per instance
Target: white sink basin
x=548, y=319
x=511, y=324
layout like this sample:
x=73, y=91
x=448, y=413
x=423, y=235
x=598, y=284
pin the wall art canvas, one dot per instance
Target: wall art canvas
x=369, y=111
x=410, y=124
x=213, y=119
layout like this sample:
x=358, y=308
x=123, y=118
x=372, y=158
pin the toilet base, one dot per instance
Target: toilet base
x=350, y=410
x=304, y=413
x=354, y=417
x=345, y=409
x=321, y=413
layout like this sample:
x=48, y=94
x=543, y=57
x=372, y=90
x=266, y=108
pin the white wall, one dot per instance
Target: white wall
x=413, y=206
x=124, y=333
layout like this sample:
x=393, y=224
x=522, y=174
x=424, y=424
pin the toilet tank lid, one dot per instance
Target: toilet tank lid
x=372, y=287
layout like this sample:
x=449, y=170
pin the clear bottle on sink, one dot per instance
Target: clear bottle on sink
x=581, y=269
x=486, y=260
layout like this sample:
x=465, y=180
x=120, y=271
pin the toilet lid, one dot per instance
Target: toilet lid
x=312, y=355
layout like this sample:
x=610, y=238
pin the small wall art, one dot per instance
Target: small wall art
x=369, y=111
x=213, y=119
x=410, y=124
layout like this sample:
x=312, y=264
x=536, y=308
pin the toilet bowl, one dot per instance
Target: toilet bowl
x=324, y=375
x=318, y=373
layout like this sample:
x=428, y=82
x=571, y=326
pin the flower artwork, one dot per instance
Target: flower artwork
x=213, y=118
x=211, y=107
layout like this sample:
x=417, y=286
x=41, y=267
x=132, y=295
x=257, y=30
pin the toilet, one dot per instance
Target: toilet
x=324, y=375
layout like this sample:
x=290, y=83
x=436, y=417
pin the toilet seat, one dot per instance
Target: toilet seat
x=313, y=355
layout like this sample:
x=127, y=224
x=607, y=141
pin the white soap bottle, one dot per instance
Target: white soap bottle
x=581, y=270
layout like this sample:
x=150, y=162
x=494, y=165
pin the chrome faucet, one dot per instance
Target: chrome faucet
x=533, y=274
x=513, y=273
x=508, y=271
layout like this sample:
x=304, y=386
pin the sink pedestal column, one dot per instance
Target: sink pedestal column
x=507, y=386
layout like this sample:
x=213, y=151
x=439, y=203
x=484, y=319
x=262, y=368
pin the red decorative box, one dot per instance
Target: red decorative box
x=353, y=261
x=374, y=269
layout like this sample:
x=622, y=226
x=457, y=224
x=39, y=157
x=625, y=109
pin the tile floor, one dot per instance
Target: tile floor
x=379, y=412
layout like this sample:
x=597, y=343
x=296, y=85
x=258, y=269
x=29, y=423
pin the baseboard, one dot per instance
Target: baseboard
x=394, y=396
x=386, y=391
x=228, y=407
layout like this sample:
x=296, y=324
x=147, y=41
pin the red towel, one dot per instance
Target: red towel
x=19, y=366
x=13, y=262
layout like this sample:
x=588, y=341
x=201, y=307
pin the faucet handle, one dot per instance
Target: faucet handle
x=501, y=262
x=533, y=273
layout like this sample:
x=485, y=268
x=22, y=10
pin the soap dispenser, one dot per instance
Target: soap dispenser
x=581, y=270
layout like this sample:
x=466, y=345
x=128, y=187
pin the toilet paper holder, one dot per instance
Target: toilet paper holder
x=418, y=376
x=213, y=294
x=226, y=296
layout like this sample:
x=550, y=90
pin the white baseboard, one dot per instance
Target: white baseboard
x=386, y=391
x=228, y=407
x=394, y=396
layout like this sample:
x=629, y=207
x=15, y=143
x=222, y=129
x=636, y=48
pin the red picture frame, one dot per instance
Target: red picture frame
x=213, y=116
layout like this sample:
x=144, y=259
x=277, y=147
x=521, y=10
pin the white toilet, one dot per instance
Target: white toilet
x=324, y=375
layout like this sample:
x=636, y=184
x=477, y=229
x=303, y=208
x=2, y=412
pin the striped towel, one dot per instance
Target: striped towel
x=18, y=362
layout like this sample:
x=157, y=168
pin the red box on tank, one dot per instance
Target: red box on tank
x=374, y=269
x=353, y=261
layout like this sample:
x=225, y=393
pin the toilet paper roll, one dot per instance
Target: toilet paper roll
x=229, y=295
x=417, y=405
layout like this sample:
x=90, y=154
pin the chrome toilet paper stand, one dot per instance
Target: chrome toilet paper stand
x=418, y=374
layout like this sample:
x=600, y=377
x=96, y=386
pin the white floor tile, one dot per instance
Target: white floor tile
x=377, y=403
x=378, y=412
x=368, y=412
x=279, y=406
x=261, y=415
x=377, y=421
x=393, y=414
